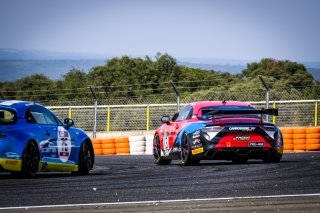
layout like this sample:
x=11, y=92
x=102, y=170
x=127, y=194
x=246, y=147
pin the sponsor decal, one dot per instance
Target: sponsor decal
x=196, y=134
x=197, y=151
x=228, y=144
x=242, y=128
x=64, y=144
x=196, y=141
x=166, y=143
x=256, y=144
x=241, y=138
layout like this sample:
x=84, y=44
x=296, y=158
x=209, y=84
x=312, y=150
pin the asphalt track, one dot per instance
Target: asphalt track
x=136, y=184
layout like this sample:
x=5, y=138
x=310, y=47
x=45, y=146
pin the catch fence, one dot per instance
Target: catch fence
x=147, y=116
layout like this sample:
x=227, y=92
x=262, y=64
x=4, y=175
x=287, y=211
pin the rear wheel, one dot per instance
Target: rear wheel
x=85, y=159
x=186, y=158
x=157, y=152
x=30, y=161
x=272, y=157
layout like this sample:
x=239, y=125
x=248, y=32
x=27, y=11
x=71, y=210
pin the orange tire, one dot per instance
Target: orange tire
x=122, y=145
x=299, y=147
x=313, y=136
x=299, y=130
x=312, y=130
x=287, y=136
x=299, y=141
x=97, y=146
x=313, y=147
x=287, y=141
x=108, y=146
x=122, y=150
x=96, y=141
x=121, y=140
x=286, y=130
x=299, y=136
x=98, y=151
x=288, y=146
x=312, y=141
x=107, y=141
x=109, y=151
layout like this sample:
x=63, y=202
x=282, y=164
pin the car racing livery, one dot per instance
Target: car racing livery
x=33, y=139
x=218, y=130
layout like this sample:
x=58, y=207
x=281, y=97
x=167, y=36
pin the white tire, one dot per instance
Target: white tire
x=136, y=138
x=137, y=143
x=137, y=153
x=138, y=149
x=149, y=137
x=149, y=143
x=149, y=152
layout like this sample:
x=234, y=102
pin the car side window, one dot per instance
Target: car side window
x=39, y=115
x=185, y=113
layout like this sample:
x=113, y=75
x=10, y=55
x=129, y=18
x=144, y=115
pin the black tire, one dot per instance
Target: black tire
x=186, y=156
x=157, y=152
x=272, y=157
x=30, y=161
x=85, y=160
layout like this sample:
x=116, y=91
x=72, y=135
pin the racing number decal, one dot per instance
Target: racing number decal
x=166, y=143
x=64, y=144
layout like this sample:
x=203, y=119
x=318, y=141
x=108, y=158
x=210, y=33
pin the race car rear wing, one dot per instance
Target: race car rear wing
x=273, y=112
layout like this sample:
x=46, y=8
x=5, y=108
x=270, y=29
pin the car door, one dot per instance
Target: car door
x=172, y=129
x=55, y=145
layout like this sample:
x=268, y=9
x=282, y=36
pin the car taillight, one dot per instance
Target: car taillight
x=270, y=130
x=210, y=132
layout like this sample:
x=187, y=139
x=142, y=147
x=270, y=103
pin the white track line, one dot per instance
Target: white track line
x=158, y=201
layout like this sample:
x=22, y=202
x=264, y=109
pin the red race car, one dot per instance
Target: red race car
x=218, y=130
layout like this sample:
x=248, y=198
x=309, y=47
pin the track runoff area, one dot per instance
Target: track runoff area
x=134, y=183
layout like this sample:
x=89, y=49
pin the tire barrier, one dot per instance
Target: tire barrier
x=137, y=145
x=301, y=139
x=149, y=144
x=296, y=139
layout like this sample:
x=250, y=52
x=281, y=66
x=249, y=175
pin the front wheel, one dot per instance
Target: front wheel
x=157, y=152
x=85, y=159
x=186, y=158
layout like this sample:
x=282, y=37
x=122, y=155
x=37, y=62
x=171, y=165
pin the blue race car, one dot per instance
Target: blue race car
x=33, y=139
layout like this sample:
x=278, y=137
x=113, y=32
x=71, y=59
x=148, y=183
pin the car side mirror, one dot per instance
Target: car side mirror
x=68, y=122
x=165, y=119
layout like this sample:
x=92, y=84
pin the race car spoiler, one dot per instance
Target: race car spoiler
x=273, y=112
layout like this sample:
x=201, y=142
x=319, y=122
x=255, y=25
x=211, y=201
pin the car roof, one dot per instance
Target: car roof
x=203, y=104
x=19, y=106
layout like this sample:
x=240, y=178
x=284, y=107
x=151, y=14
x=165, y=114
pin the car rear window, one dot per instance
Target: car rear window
x=7, y=116
x=206, y=110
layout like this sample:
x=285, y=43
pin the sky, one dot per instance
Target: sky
x=220, y=29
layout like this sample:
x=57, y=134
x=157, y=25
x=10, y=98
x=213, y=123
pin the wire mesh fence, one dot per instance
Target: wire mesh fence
x=126, y=117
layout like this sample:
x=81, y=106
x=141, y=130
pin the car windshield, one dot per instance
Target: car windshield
x=207, y=116
x=7, y=116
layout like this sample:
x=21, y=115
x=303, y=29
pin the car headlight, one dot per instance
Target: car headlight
x=210, y=132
